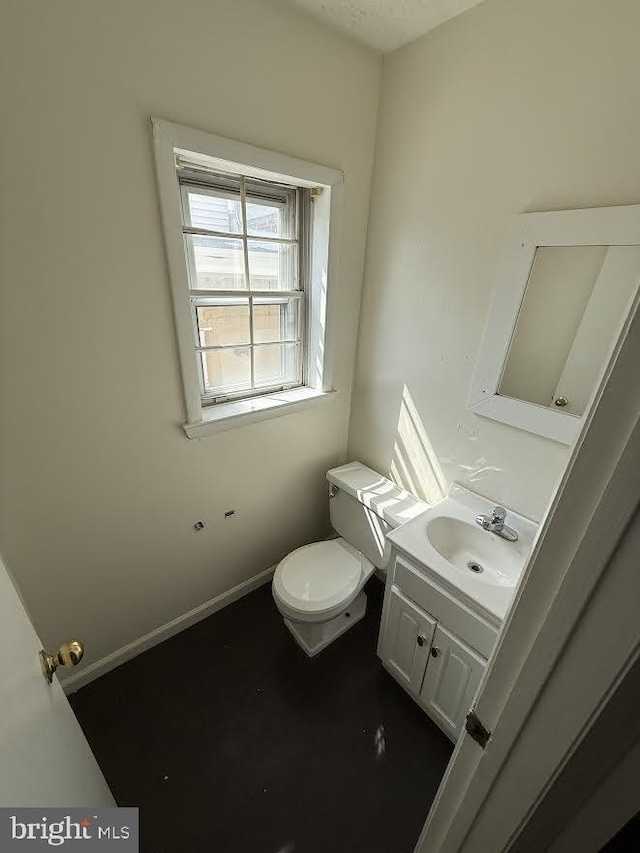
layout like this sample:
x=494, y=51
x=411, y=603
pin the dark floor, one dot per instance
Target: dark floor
x=627, y=840
x=231, y=740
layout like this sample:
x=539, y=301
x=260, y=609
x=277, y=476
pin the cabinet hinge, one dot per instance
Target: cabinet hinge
x=477, y=731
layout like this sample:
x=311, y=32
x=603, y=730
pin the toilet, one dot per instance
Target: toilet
x=318, y=588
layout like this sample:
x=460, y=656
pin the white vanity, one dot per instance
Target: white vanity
x=449, y=585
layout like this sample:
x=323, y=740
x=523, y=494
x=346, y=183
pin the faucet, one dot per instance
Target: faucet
x=494, y=523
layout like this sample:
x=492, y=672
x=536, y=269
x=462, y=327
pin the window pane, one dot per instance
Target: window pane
x=264, y=219
x=223, y=324
x=215, y=211
x=276, y=320
x=218, y=261
x=226, y=370
x=276, y=364
x=273, y=266
x=270, y=217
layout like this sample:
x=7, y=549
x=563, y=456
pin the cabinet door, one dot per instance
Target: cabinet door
x=451, y=680
x=408, y=632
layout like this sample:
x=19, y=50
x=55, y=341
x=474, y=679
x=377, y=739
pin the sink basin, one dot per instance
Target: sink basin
x=470, y=564
x=474, y=551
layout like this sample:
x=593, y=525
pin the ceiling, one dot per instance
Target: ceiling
x=385, y=24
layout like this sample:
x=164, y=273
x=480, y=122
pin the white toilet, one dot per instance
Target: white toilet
x=318, y=588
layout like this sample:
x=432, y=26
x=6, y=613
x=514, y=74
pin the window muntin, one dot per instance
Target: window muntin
x=242, y=244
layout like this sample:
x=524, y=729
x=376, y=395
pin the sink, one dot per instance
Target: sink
x=470, y=564
x=475, y=552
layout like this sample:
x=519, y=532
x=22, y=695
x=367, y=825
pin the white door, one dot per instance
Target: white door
x=44, y=757
x=555, y=665
x=408, y=632
x=452, y=678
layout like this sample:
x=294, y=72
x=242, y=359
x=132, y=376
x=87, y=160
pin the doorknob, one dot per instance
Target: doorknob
x=69, y=654
x=421, y=640
x=435, y=651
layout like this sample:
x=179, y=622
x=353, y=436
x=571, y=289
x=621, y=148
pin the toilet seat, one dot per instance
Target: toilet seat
x=316, y=582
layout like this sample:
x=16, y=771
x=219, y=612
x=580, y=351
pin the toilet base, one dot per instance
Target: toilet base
x=313, y=637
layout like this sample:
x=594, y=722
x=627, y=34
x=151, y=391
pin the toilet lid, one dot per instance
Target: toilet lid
x=320, y=576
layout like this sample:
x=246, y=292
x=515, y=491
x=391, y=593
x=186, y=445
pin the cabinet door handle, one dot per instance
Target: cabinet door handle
x=435, y=651
x=421, y=640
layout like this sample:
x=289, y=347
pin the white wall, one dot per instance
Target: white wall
x=514, y=106
x=100, y=486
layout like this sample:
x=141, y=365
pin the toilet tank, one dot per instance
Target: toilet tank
x=364, y=506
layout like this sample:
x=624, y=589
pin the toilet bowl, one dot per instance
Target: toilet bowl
x=318, y=588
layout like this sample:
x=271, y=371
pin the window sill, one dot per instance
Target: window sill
x=243, y=412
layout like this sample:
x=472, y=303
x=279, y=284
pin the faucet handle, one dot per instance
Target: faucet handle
x=498, y=514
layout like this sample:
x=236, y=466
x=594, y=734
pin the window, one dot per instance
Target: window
x=249, y=247
x=245, y=243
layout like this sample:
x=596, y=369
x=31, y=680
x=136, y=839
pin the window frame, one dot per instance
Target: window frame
x=224, y=155
x=247, y=192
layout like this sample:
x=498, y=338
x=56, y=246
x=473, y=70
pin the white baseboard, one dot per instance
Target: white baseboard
x=81, y=677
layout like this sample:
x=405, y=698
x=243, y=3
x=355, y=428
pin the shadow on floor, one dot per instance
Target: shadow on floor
x=231, y=740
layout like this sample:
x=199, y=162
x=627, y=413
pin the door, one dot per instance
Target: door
x=407, y=639
x=44, y=757
x=452, y=678
x=555, y=665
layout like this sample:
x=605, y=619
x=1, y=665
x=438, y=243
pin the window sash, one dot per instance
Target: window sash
x=251, y=238
x=212, y=397
x=288, y=202
x=288, y=199
x=237, y=396
x=267, y=297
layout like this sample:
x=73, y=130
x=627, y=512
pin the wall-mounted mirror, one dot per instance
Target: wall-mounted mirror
x=567, y=286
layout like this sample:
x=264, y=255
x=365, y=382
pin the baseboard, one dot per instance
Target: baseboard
x=81, y=677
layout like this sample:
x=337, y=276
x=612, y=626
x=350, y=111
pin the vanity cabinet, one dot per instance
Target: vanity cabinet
x=450, y=681
x=407, y=640
x=433, y=645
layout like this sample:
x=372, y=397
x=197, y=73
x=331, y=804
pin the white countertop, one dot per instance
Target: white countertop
x=479, y=591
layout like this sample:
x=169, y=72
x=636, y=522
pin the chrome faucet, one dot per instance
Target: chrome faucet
x=494, y=523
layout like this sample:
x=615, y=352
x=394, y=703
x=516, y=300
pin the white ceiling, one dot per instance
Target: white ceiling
x=385, y=24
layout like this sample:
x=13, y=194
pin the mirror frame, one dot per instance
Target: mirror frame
x=601, y=226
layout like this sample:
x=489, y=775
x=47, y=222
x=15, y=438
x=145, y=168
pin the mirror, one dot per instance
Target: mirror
x=574, y=305
x=567, y=285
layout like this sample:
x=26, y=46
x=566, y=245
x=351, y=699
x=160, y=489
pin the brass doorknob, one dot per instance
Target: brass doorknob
x=69, y=654
x=561, y=402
